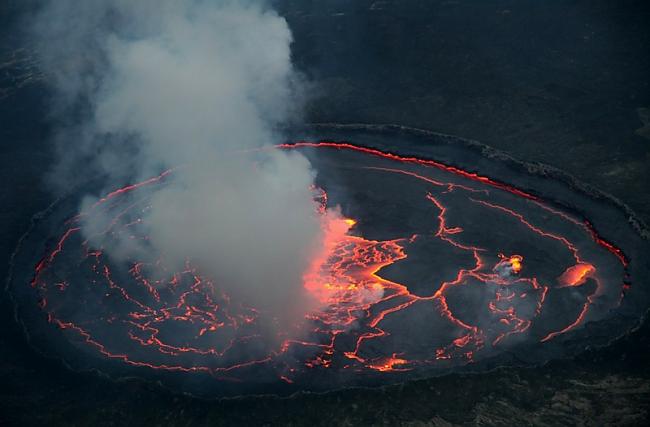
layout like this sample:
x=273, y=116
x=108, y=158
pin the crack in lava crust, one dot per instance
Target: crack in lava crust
x=532, y=274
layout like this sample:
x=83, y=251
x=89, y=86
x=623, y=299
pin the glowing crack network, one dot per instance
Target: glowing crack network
x=473, y=267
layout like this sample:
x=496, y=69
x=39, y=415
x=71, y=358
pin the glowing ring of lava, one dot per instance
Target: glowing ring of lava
x=144, y=316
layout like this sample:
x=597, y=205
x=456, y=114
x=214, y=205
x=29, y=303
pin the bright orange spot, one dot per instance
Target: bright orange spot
x=576, y=275
x=515, y=262
x=350, y=222
x=388, y=364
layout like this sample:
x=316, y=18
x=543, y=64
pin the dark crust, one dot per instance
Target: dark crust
x=534, y=168
x=489, y=152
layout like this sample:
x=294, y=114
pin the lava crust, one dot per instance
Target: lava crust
x=435, y=264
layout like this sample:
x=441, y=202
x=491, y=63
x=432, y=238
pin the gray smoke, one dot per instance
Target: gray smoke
x=142, y=86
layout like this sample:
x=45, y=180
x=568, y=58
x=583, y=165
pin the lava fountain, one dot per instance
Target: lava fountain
x=430, y=267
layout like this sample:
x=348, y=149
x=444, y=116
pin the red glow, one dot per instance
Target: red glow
x=576, y=275
x=355, y=301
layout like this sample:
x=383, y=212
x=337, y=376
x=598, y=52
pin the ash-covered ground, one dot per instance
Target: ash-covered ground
x=562, y=84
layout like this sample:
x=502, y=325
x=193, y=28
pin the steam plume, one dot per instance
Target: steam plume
x=149, y=85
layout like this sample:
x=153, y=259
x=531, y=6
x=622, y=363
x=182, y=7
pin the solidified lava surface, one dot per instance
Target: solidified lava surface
x=442, y=259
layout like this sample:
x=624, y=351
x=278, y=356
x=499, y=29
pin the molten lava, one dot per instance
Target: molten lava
x=576, y=275
x=143, y=314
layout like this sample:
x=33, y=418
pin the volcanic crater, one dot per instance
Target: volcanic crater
x=447, y=256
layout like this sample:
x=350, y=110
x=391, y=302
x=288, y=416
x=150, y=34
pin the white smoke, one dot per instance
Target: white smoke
x=148, y=85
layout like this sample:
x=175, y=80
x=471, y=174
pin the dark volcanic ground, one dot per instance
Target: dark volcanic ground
x=563, y=83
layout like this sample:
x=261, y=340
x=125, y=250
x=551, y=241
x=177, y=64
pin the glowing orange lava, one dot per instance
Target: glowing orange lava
x=181, y=321
x=576, y=275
